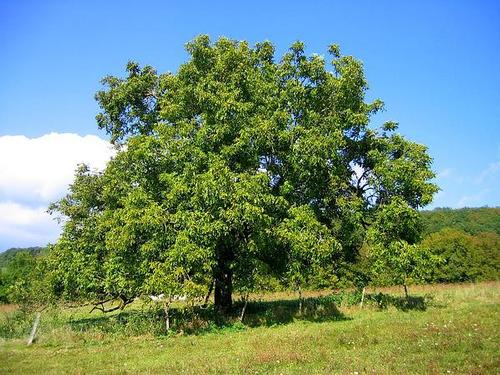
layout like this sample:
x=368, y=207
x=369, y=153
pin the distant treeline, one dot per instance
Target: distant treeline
x=468, y=220
x=467, y=242
x=8, y=255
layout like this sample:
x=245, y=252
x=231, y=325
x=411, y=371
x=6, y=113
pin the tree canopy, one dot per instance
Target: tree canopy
x=237, y=165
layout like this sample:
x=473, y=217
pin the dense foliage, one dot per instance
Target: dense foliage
x=463, y=258
x=23, y=277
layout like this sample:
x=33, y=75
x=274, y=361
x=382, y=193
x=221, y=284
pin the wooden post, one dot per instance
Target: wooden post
x=33, y=330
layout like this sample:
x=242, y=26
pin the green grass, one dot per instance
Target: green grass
x=445, y=329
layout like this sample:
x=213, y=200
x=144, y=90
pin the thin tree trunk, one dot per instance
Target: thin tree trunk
x=210, y=290
x=300, y=300
x=166, y=308
x=362, y=297
x=33, y=330
x=406, y=290
x=244, y=308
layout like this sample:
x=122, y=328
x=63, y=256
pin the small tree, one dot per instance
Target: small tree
x=393, y=247
x=403, y=263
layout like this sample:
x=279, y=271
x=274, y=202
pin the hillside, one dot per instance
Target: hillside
x=9, y=254
x=469, y=220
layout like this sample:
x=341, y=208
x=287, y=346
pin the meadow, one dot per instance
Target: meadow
x=441, y=329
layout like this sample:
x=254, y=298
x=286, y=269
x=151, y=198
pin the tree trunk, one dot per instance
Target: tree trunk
x=33, y=330
x=210, y=290
x=244, y=308
x=166, y=309
x=223, y=298
x=406, y=290
x=362, y=297
x=300, y=300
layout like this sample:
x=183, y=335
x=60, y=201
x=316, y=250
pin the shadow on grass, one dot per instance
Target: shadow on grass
x=198, y=320
x=383, y=301
x=270, y=313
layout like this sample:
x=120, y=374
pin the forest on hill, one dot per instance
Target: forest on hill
x=8, y=255
x=468, y=220
x=467, y=240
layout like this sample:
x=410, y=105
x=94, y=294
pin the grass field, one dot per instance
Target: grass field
x=444, y=329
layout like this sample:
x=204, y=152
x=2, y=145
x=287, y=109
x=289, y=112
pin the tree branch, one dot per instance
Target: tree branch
x=100, y=305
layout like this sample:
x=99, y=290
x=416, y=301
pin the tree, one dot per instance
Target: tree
x=393, y=240
x=403, y=263
x=487, y=246
x=236, y=162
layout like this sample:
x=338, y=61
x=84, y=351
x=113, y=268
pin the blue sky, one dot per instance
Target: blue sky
x=434, y=63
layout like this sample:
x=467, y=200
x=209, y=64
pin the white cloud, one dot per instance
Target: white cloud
x=35, y=172
x=24, y=226
x=40, y=169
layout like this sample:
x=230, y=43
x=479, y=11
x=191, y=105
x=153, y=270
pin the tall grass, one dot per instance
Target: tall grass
x=148, y=319
x=441, y=329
